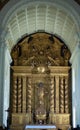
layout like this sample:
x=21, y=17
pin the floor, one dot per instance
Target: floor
x=2, y=128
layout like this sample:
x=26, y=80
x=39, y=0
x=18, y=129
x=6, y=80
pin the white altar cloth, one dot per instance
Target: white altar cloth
x=40, y=126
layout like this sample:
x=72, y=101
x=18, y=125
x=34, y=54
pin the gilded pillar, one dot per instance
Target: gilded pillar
x=29, y=95
x=29, y=100
x=24, y=94
x=57, y=93
x=52, y=96
x=51, y=100
x=14, y=108
x=62, y=95
x=19, y=95
x=66, y=96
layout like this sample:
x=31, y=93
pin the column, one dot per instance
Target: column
x=75, y=60
x=6, y=84
x=62, y=95
x=14, y=96
x=4, y=81
x=57, y=93
x=1, y=79
x=29, y=99
x=29, y=95
x=52, y=96
x=24, y=94
x=51, y=100
x=66, y=96
x=20, y=95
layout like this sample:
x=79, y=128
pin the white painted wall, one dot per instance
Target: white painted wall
x=6, y=92
x=75, y=60
x=2, y=53
x=5, y=60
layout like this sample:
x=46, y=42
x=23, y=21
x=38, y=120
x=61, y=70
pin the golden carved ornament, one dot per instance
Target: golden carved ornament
x=40, y=48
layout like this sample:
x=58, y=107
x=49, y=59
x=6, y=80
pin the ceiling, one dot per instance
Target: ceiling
x=41, y=17
x=3, y=2
x=44, y=18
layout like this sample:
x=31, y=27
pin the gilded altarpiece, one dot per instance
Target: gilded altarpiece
x=40, y=91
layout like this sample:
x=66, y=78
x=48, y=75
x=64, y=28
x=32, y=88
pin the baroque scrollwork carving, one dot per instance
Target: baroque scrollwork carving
x=40, y=48
x=41, y=81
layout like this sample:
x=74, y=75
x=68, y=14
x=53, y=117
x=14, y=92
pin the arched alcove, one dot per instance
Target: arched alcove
x=66, y=17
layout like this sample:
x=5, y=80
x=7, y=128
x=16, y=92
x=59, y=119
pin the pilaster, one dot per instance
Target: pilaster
x=75, y=60
x=2, y=59
x=5, y=61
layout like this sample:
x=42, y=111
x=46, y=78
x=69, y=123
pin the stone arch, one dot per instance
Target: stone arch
x=20, y=5
x=68, y=7
x=73, y=11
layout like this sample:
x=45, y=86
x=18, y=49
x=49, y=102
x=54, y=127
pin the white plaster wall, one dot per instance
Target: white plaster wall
x=74, y=94
x=75, y=60
x=78, y=89
x=6, y=93
x=5, y=60
x=1, y=78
